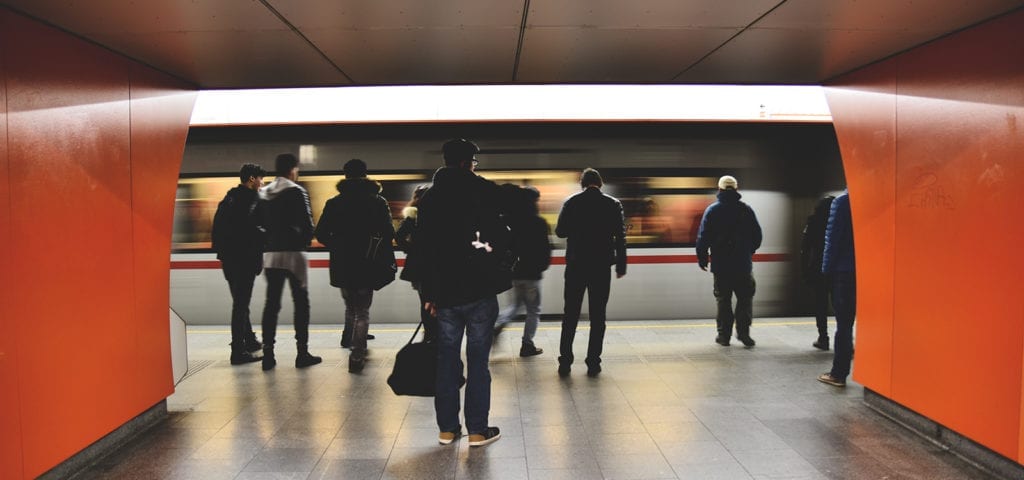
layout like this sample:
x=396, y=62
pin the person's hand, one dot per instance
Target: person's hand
x=430, y=307
x=620, y=275
x=704, y=267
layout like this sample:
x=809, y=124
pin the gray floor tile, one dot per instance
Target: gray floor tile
x=669, y=404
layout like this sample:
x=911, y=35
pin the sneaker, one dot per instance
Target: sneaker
x=529, y=350
x=491, y=435
x=747, y=341
x=269, y=362
x=446, y=438
x=723, y=341
x=564, y=369
x=241, y=358
x=821, y=343
x=593, y=368
x=829, y=379
x=370, y=336
x=253, y=345
x=356, y=364
x=305, y=359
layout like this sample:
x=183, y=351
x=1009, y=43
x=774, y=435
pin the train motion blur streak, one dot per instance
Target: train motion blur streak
x=664, y=173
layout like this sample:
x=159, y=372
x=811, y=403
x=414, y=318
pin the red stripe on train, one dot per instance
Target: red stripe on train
x=559, y=260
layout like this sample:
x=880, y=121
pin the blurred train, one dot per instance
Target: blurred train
x=664, y=174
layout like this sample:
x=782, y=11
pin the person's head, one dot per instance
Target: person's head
x=591, y=178
x=728, y=182
x=355, y=168
x=286, y=165
x=417, y=193
x=251, y=176
x=460, y=153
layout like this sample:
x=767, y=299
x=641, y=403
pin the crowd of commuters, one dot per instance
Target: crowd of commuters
x=466, y=240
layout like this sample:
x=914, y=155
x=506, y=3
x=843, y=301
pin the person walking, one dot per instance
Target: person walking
x=595, y=229
x=353, y=223
x=238, y=237
x=840, y=263
x=289, y=225
x=532, y=247
x=464, y=244
x=730, y=231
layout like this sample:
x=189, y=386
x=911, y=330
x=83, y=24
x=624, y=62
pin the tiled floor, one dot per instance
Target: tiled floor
x=669, y=404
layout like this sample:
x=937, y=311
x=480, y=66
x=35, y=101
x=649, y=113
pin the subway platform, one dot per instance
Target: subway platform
x=670, y=404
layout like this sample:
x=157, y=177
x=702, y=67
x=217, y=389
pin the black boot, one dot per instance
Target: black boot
x=529, y=349
x=822, y=343
x=305, y=359
x=269, y=362
x=241, y=356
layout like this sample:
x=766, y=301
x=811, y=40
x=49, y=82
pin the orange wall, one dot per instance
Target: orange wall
x=932, y=141
x=94, y=142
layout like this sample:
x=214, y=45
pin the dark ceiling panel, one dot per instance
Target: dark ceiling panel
x=363, y=15
x=648, y=13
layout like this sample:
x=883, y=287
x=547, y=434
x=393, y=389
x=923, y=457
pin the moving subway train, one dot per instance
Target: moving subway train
x=664, y=174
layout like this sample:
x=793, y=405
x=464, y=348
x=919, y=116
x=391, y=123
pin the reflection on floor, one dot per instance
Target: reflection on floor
x=670, y=404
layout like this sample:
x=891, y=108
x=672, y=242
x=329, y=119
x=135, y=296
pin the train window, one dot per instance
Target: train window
x=662, y=209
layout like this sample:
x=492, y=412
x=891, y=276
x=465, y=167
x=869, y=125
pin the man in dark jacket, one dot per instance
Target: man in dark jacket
x=595, y=227
x=839, y=262
x=730, y=230
x=812, y=244
x=356, y=225
x=464, y=242
x=238, y=237
x=289, y=225
x=532, y=246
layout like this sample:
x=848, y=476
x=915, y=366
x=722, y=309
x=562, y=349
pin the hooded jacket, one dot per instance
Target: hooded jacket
x=455, y=271
x=288, y=219
x=729, y=229
x=349, y=220
x=238, y=233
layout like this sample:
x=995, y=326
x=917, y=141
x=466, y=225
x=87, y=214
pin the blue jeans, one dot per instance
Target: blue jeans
x=844, y=302
x=476, y=320
x=524, y=292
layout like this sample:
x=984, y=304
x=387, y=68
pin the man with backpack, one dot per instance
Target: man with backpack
x=730, y=231
x=238, y=237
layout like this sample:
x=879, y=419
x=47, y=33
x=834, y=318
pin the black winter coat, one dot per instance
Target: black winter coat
x=288, y=219
x=455, y=272
x=812, y=242
x=531, y=245
x=348, y=222
x=595, y=228
x=238, y=233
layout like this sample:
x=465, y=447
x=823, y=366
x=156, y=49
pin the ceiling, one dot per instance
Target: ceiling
x=301, y=43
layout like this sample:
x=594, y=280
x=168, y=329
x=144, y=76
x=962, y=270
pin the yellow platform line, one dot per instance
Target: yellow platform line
x=582, y=326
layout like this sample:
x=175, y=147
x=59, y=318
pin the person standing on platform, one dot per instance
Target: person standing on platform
x=289, y=225
x=532, y=247
x=351, y=223
x=594, y=226
x=238, y=237
x=462, y=242
x=812, y=244
x=729, y=229
x=405, y=238
x=839, y=263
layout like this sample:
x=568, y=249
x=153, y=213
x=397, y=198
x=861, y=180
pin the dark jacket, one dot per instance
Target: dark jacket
x=839, y=253
x=238, y=233
x=812, y=242
x=347, y=224
x=405, y=238
x=288, y=220
x=595, y=228
x=731, y=231
x=455, y=272
x=530, y=244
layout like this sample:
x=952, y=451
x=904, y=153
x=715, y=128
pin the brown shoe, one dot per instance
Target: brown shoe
x=446, y=438
x=829, y=379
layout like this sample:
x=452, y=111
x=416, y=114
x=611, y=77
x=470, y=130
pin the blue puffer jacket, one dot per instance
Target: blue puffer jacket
x=731, y=232
x=839, y=254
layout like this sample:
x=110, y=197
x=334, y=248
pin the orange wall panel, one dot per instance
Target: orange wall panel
x=865, y=122
x=10, y=418
x=957, y=328
x=93, y=146
x=157, y=102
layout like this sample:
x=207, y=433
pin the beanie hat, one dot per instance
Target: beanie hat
x=728, y=181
